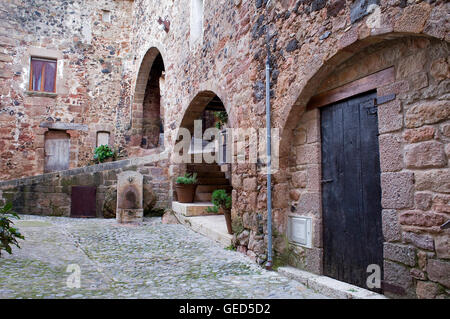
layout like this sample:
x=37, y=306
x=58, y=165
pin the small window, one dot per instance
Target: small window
x=106, y=16
x=102, y=138
x=196, y=23
x=43, y=75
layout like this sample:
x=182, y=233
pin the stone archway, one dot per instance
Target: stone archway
x=413, y=116
x=204, y=107
x=147, y=117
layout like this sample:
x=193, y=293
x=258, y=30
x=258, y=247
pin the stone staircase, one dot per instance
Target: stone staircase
x=210, y=177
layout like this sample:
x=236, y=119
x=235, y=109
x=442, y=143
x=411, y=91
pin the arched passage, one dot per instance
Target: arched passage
x=411, y=107
x=208, y=109
x=147, y=111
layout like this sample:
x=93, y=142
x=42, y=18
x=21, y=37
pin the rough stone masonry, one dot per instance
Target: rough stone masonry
x=105, y=52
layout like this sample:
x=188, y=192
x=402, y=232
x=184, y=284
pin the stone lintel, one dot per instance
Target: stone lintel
x=64, y=126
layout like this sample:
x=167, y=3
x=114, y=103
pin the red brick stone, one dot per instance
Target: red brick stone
x=426, y=290
x=440, y=69
x=294, y=194
x=442, y=244
x=299, y=179
x=439, y=271
x=428, y=112
x=420, y=218
x=445, y=130
x=249, y=183
x=419, y=135
x=280, y=195
x=437, y=180
x=422, y=201
x=425, y=155
x=413, y=18
x=441, y=203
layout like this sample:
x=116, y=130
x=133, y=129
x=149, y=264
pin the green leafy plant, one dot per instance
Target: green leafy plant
x=231, y=247
x=222, y=117
x=213, y=210
x=103, y=152
x=188, y=178
x=221, y=199
x=8, y=233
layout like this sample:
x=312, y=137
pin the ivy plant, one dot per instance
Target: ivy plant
x=103, y=152
x=8, y=233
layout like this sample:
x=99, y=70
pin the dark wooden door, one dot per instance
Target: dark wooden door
x=351, y=192
x=83, y=201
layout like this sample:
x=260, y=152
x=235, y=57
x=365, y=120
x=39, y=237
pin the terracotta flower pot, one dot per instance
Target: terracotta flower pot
x=227, y=214
x=185, y=192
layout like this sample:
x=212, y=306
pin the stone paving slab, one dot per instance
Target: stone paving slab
x=116, y=261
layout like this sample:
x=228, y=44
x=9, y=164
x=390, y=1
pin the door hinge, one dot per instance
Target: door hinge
x=372, y=107
x=324, y=181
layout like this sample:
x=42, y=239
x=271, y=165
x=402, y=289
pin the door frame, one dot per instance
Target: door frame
x=382, y=79
x=46, y=138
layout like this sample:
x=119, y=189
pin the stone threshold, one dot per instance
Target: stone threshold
x=328, y=286
x=213, y=227
x=192, y=209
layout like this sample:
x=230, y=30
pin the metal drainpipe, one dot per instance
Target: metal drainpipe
x=269, y=165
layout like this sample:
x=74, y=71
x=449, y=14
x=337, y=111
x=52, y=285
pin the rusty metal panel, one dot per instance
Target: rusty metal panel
x=57, y=150
x=83, y=202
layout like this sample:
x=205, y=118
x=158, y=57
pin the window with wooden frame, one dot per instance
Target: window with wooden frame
x=43, y=75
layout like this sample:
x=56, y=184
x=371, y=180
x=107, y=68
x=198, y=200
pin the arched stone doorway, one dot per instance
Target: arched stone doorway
x=198, y=156
x=147, y=110
x=410, y=78
x=152, y=112
x=207, y=111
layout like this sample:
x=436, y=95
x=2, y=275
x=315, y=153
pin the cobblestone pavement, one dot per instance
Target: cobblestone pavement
x=116, y=261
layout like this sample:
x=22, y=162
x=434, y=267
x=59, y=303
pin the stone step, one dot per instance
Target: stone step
x=192, y=209
x=213, y=227
x=212, y=188
x=211, y=181
x=202, y=197
x=203, y=168
x=211, y=174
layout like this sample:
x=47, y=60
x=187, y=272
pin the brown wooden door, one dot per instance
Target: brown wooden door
x=57, y=147
x=83, y=201
x=351, y=192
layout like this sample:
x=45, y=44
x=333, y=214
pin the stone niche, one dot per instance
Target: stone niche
x=129, y=198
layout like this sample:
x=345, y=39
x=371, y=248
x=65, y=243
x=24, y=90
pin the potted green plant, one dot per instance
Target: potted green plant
x=103, y=153
x=222, y=118
x=222, y=204
x=185, y=187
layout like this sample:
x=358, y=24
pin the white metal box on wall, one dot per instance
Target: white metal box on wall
x=300, y=230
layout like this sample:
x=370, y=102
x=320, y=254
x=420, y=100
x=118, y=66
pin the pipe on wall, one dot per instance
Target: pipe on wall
x=269, y=165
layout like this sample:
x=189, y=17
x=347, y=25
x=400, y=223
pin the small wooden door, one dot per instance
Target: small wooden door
x=57, y=147
x=351, y=192
x=83, y=201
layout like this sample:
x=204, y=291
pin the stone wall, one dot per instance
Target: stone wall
x=50, y=194
x=307, y=40
x=90, y=63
